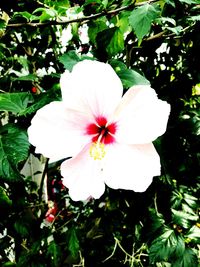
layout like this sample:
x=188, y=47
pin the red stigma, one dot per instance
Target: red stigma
x=100, y=130
x=101, y=121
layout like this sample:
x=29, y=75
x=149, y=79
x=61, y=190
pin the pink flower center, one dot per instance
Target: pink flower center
x=101, y=131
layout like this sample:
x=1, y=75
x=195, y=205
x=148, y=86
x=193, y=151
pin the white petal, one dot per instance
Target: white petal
x=131, y=167
x=141, y=116
x=83, y=176
x=92, y=87
x=57, y=132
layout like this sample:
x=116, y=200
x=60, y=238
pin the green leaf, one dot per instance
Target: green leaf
x=43, y=99
x=187, y=209
x=3, y=25
x=166, y=20
x=166, y=246
x=183, y=218
x=21, y=228
x=14, y=102
x=177, y=30
x=194, y=18
x=116, y=44
x=29, y=259
x=95, y=27
x=193, y=234
x=24, y=14
x=170, y=2
x=190, y=2
x=131, y=77
x=141, y=19
x=54, y=251
x=5, y=201
x=29, y=77
x=73, y=242
x=69, y=59
x=117, y=65
x=9, y=264
x=93, y=2
x=14, y=147
x=123, y=22
x=188, y=259
x=111, y=40
x=157, y=222
x=46, y=13
x=104, y=3
x=4, y=18
x=190, y=200
x=93, y=6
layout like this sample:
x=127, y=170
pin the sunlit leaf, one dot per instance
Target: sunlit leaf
x=69, y=59
x=176, y=30
x=131, y=77
x=190, y=200
x=141, y=19
x=194, y=18
x=183, y=218
x=25, y=14
x=194, y=233
x=190, y=2
x=14, y=102
x=166, y=20
x=45, y=13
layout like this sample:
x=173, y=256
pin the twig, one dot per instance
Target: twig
x=82, y=261
x=42, y=4
x=155, y=36
x=83, y=19
x=163, y=34
x=155, y=203
x=40, y=191
x=135, y=257
x=113, y=252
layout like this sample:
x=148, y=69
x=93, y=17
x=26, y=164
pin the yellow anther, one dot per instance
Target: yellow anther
x=97, y=150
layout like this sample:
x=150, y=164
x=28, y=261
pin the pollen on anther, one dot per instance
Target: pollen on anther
x=97, y=151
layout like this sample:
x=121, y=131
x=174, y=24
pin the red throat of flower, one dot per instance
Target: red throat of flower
x=101, y=131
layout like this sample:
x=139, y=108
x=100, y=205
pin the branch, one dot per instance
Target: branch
x=164, y=34
x=83, y=19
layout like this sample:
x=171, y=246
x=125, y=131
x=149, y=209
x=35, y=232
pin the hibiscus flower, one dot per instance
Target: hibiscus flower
x=108, y=135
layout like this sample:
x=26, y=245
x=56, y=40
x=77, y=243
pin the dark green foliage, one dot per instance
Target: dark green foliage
x=110, y=41
x=73, y=242
x=54, y=252
x=159, y=227
x=14, y=148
